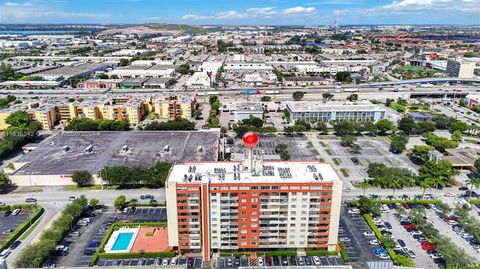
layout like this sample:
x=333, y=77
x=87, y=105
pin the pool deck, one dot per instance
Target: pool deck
x=151, y=239
x=113, y=238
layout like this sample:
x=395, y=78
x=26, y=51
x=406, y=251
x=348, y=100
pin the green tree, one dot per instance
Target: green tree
x=402, y=260
x=297, y=95
x=352, y=97
x=441, y=173
x=476, y=164
x=327, y=96
x=4, y=182
x=344, y=76
x=424, y=127
x=426, y=183
x=364, y=185
x=384, y=126
x=407, y=125
x=387, y=242
x=266, y=98
x=364, y=204
x=399, y=143
x=457, y=136
x=124, y=62
x=18, y=119
x=184, y=69
x=82, y=177
x=119, y=201
x=419, y=153
x=473, y=182
x=94, y=202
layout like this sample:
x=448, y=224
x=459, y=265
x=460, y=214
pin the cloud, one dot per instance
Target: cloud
x=336, y=2
x=407, y=7
x=155, y=18
x=15, y=4
x=254, y=12
x=298, y=10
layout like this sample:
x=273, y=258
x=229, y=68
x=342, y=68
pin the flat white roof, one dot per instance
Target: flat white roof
x=267, y=172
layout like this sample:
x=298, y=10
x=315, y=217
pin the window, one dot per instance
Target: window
x=244, y=231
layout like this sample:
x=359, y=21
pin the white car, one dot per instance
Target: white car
x=368, y=234
x=374, y=242
x=165, y=261
x=173, y=261
x=260, y=261
x=354, y=211
x=416, y=233
x=410, y=252
x=383, y=256
x=316, y=260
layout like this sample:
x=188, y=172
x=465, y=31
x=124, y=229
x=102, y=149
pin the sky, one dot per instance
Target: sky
x=245, y=12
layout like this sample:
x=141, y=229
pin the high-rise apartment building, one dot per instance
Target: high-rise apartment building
x=227, y=206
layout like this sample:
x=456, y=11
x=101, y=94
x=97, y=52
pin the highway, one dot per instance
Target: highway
x=313, y=92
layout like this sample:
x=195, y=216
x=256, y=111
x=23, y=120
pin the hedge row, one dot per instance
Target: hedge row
x=13, y=207
x=320, y=252
x=474, y=201
x=22, y=228
x=168, y=254
x=379, y=236
x=235, y=254
x=343, y=251
x=277, y=253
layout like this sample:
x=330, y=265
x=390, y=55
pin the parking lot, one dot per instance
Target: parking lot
x=78, y=244
x=145, y=214
x=243, y=261
x=297, y=147
x=10, y=223
x=372, y=150
x=358, y=247
x=422, y=258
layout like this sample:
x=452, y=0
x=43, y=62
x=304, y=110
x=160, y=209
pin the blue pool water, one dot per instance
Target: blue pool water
x=122, y=242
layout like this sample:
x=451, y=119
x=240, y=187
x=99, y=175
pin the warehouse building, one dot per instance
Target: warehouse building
x=54, y=159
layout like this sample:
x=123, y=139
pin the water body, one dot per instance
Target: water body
x=315, y=44
x=30, y=32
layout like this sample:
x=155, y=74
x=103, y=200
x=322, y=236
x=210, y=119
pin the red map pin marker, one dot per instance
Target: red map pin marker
x=250, y=139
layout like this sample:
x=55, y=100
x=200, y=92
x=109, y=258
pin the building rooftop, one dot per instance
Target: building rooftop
x=304, y=106
x=249, y=107
x=263, y=172
x=143, y=148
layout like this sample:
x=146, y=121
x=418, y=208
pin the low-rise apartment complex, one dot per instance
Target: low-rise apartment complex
x=332, y=112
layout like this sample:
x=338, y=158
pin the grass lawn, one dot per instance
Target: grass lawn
x=90, y=188
x=27, y=191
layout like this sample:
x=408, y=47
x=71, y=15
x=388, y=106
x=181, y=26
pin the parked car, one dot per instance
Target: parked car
x=15, y=244
x=173, y=261
x=410, y=253
x=345, y=239
x=147, y=197
x=7, y=213
x=316, y=260
x=401, y=242
x=4, y=254
x=8, y=231
x=30, y=200
x=388, y=225
x=260, y=261
x=89, y=252
x=165, y=261
x=94, y=244
x=16, y=212
x=374, y=242
x=71, y=198
x=368, y=234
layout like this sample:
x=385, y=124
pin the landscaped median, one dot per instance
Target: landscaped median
x=399, y=260
x=22, y=228
x=100, y=253
x=399, y=201
x=474, y=201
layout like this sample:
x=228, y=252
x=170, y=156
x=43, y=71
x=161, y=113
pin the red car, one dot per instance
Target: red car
x=410, y=226
x=428, y=246
x=406, y=206
x=268, y=261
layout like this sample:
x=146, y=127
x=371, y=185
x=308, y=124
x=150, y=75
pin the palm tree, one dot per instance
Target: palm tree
x=474, y=182
x=395, y=184
x=426, y=183
x=364, y=185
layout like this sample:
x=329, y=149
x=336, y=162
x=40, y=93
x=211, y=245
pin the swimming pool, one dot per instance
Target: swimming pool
x=123, y=242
